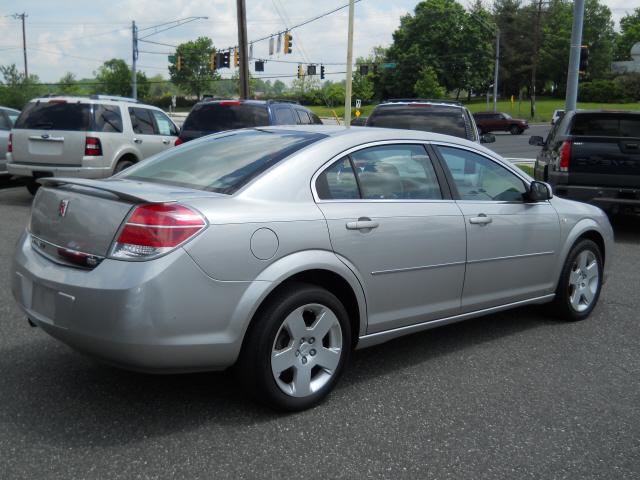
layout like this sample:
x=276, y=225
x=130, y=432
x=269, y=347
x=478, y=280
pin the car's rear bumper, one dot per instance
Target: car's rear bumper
x=32, y=170
x=607, y=198
x=162, y=316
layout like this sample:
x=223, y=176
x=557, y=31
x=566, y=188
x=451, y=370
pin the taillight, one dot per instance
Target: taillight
x=178, y=141
x=157, y=228
x=565, y=155
x=92, y=147
x=10, y=143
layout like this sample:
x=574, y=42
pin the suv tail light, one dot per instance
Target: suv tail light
x=565, y=155
x=92, y=147
x=178, y=141
x=10, y=143
x=155, y=229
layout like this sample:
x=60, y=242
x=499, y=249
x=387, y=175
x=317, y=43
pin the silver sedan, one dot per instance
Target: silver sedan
x=280, y=250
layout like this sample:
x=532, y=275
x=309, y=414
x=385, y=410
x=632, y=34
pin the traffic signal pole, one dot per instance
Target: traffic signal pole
x=574, y=56
x=347, y=92
x=134, y=58
x=244, y=51
x=495, y=73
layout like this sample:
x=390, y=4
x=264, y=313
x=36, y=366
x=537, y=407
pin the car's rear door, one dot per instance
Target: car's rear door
x=390, y=217
x=5, y=128
x=512, y=244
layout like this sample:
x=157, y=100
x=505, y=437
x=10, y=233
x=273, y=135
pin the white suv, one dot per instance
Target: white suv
x=89, y=137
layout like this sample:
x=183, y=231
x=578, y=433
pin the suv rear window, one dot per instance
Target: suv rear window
x=428, y=118
x=222, y=164
x=60, y=115
x=216, y=117
x=606, y=125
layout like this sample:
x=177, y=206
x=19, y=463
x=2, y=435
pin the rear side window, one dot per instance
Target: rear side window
x=141, y=121
x=216, y=117
x=4, y=121
x=303, y=116
x=222, y=164
x=606, y=125
x=284, y=116
x=428, y=118
x=107, y=118
x=55, y=115
x=338, y=182
x=13, y=116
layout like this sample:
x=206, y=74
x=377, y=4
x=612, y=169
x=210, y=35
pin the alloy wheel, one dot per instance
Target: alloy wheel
x=584, y=280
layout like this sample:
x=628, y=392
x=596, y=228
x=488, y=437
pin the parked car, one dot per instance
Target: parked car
x=499, y=122
x=557, y=115
x=7, y=119
x=212, y=116
x=280, y=249
x=438, y=116
x=89, y=137
x=593, y=156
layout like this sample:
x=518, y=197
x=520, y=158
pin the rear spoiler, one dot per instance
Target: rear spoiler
x=125, y=190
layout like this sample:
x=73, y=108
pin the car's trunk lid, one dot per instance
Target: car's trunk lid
x=605, y=161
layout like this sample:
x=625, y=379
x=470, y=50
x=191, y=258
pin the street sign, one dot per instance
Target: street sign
x=172, y=58
x=389, y=65
x=358, y=103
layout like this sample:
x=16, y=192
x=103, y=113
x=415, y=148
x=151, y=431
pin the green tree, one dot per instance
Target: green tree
x=68, y=85
x=15, y=89
x=629, y=34
x=195, y=75
x=599, y=35
x=114, y=78
x=427, y=85
x=279, y=88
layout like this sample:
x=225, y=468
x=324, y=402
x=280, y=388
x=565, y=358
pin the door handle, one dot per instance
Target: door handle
x=362, y=224
x=166, y=141
x=481, y=219
x=137, y=140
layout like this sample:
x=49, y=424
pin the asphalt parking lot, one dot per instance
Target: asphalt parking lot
x=514, y=395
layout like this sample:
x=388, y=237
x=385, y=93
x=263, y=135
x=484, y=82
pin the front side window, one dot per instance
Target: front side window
x=390, y=172
x=164, y=124
x=478, y=178
x=141, y=121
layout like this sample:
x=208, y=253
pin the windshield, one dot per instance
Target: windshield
x=428, y=118
x=224, y=163
x=216, y=117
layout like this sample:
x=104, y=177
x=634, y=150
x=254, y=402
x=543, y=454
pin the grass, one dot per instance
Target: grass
x=528, y=169
x=544, y=108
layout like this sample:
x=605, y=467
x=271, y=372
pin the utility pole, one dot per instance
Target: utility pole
x=347, y=93
x=22, y=16
x=134, y=58
x=574, y=56
x=495, y=73
x=244, y=51
x=536, y=46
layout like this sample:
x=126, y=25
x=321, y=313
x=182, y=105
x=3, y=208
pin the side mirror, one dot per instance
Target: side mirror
x=487, y=138
x=536, y=140
x=539, y=191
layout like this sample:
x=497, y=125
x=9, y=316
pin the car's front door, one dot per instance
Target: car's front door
x=512, y=244
x=390, y=219
x=144, y=132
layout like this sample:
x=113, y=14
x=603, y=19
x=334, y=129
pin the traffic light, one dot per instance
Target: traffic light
x=288, y=42
x=236, y=58
x=311, y=69
x=226, y=59
x=584, y=59
x=364, y=70
x=321, y=72
x=213, y=63
x=259, y=67
x=300, y=71
x=179, y=63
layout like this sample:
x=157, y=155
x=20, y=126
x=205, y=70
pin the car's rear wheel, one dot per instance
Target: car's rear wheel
x=580, y=282
x=515, y=130
x=296, y=349
x=123, y=165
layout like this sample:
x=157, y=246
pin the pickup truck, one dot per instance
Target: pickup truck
x=593, y=156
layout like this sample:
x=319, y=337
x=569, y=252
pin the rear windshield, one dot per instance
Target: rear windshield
x=606, y=125
x=60, y=115
x=224, y=163
x=216, y=117
x=428, y=118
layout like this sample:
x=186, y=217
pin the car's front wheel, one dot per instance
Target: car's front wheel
x=580, y=282
x=515, y=130
x=296, y=348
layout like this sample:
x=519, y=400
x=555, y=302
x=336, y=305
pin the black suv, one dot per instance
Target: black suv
x=438, y=116
x=211, y=116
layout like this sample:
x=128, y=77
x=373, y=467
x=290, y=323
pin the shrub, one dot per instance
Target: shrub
x=601, y=91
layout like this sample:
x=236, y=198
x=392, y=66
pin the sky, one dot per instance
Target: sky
x=78, y=36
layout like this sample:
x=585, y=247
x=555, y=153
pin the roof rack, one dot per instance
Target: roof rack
x=283, y=100
x=422, y=100
x=113, y=98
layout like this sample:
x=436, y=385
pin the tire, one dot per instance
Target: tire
x=515, y=130
x=308, y=329
x=580, y=282
x=123, y=165
x=32, y=186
